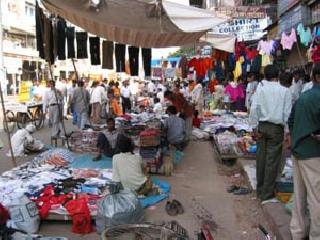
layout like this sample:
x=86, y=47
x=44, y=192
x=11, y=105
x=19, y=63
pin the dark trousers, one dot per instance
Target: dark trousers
x=39, y=31
x=82, y=47
x=126, y=104
x=146, y=58
x=269, y=153
x=61, y=30
x=120, y=52
x=70, y=42
x=95, y=50
x=107, y=54
x=134, y=60
x=104, y=145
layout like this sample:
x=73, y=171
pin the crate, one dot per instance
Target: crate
x=150, y=138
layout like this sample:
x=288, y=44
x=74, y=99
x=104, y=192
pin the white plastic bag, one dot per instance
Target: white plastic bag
x=120, y=208
x=24, y=215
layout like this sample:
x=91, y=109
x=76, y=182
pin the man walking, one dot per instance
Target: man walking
x=53, y=101
x=269, y=114
x=80, y=102
x=304, y=124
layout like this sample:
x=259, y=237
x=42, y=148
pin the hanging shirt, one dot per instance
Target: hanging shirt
x=288, y=41
x=304, y=34
x=271, y=103
x=265, y=47
x=265, y=60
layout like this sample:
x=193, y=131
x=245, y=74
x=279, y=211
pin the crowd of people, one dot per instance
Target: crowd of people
x=278, y=103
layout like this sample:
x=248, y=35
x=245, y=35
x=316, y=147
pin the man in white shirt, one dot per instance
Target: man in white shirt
x=97, y=98
x=251, y=88
x=157, y=108
x=270, y=110
x=125, y=93
x=160, y=95
x=23, y=141
x=53, y=101
x=197, y=98
x=151, y=89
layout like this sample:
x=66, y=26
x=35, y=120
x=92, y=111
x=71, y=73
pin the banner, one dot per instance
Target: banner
x=243, y=29
x=24, y=91
x=243, y=12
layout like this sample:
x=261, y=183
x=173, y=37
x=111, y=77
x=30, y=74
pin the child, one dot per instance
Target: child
x=196, y=120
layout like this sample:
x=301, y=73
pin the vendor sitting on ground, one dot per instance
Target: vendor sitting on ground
x=108, y=140
x=175, y=128
x=128, y=168
x=23, y=142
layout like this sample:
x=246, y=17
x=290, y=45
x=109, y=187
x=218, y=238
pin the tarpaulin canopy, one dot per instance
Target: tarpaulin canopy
x=221, y=42
x=144, y=23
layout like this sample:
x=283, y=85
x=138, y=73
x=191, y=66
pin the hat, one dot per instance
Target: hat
x=31, y=128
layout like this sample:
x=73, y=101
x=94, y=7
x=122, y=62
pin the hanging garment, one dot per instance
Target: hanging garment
x=316, y=31
x=48, y=41
x=304, y=34
x=288, y=41
x=127, y=67
x=39, y=32
x=61, y=31
x=221, y=55
x=315, y=54
x=134, y=60
x=70, y=42
x=265, y=60
x=251, y=53
x=107, y=54
x=198, y=65
x=238, y=69
x=183, y=64
x=265, y=47
x=120, y=52
x=146, y=58
x=82, y=45
x=256, y=64
x=95, y=50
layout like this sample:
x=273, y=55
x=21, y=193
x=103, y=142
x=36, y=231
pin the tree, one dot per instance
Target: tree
x=182, y=52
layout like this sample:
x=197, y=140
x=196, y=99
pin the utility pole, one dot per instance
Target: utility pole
x=2, y=69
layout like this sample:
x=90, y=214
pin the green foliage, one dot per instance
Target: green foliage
x=183, y=52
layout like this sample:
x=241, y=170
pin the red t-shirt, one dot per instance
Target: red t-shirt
x=196, y=122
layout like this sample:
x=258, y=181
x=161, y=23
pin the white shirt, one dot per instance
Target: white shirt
x=19, y=140
x=307, y=86
x=158, y=109
x=197, y=94
x=296, y=88
x=251, y=88
x=185, y=92
x=270, y=103
x=98, y=95
x=125, y=92
x=160, y=95
x=151, y=87
x=127, y=169
x=162, y=87
x=51, y=98
x=133, y=88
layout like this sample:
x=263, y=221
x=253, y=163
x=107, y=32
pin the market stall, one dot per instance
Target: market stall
x=232, y=137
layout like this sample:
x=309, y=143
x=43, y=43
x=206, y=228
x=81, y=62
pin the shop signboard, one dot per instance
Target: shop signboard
x=243, y=29
x=243, y=12
x=24, y=91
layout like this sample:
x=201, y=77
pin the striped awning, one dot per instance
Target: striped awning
x=143, y=23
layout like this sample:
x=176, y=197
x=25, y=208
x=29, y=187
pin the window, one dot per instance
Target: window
x=29, y=10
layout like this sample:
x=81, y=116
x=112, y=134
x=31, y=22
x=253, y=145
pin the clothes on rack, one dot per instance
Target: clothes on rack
x=95, y=50
x=39, y=16
x=61, y=44
x=107, y=54
x=288, y=41
x=120, y=52
x=183, y=65
x=265, y=47
x=134, y=60
x=304, y=34
x=82, y=45
x=70, y=42
x=146, y=58
x=48, y=40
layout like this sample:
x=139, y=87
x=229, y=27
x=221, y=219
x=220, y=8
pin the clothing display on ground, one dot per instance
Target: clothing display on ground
x=107, y=54
x=120, y=52
x=134, y=60
x=95, y=50
x=82, y=45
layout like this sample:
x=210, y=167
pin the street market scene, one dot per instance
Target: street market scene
x=160, y=119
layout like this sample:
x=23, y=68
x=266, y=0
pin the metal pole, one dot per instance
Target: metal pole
x=2, y=80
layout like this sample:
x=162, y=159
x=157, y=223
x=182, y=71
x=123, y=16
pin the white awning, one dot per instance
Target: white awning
x=221, y=42
x=144, y=23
